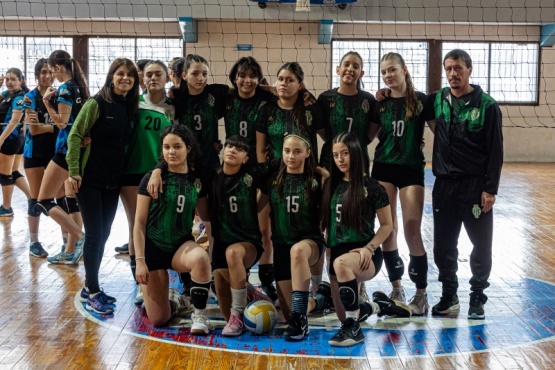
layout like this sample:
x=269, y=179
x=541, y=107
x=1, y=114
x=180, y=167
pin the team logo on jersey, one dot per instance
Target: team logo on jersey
x=365, y=105
x=474, y=114
x=419, y=108
x=63, y=91
x=198, y=185
x=308, y=115
x=19, y=103
x=262, y=103
x=476, y=211
x=211, y=100
x=314, y=184
x=247, y=179
x=365, y=192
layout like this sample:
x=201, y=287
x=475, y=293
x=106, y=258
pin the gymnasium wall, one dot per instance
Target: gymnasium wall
x=295, y=38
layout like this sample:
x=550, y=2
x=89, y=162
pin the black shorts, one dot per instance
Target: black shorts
x=132, y=179
x=282, y=259
x=60, y=160
x=218, y=255
x=13, y=146
x=397, y=174
x=341, y=249
x=157, y=259
x=35, y=162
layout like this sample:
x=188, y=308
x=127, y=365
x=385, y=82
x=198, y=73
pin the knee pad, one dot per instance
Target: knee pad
x=394, y=265
x=71, y=205
x=31, y=209
x=44, y=206
x=348, y=292
x=418, y=271
x=62, y=204
x=6, y=180
x=16, y=175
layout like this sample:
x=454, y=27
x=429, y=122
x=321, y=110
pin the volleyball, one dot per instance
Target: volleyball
x=260, y=317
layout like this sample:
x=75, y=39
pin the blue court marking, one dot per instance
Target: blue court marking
x=518, y=313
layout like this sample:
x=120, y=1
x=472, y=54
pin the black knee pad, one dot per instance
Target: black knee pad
x=199, y=295
x=44, y=206
x=71, y=205
x=394, y=265
x=418, y=271
x=62, y=204
x=348, y=292
x=6, y=180
x=31, y=209
x=16, y=175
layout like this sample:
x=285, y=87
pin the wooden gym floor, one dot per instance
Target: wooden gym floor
x=42, y=326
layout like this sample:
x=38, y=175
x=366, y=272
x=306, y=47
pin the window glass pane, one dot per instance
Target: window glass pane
x=368, y=50
x=415, y=55
x=11, y=49
x=102, y=52
x=159, y=49
x=514, y=72
x=42, y=47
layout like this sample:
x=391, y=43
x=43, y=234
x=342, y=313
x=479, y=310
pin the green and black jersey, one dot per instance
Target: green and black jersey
x=241, y=116
x=201, y=113
x=401, y=140
x=145, y=148
x=294, y=212
x=376, y=198
x=468, y=138
x=170, y=217
x=237, y=216
x=275, y=123
x=342, y=113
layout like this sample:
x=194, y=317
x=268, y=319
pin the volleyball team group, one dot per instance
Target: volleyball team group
x=266, y=196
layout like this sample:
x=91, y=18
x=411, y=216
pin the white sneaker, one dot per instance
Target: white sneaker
x=398, y=294
x=139, y=296
x=419, y=304
x=200, y=324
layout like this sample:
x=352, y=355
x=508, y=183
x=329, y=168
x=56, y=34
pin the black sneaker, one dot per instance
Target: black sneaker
x=389, y=307
x=298, y=327
x=323, y=297
x=349, y=334
x=448, y=304
x=270, y=291
x=476, y=308
x=124, y=249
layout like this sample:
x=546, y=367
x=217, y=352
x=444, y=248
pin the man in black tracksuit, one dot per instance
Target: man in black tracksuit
x=467, y=161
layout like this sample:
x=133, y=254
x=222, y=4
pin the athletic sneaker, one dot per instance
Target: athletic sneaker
x=447, y=304
x=201, y=233
x=298, y=327
x=139, y=296
x=234, y=326
x=323, y=297
x=389, y=307
x=6, y=212
x=61, y=258
x=398, y=294
x=419, y=304
x=200, y=324
x=124, y=249
x=78, y=254
x=255, y=295
x=270, y=291
x=36, y=249
x=476, y=308
x=99, y=305
x=108, y=299
x=349, y=334
x=362, y=293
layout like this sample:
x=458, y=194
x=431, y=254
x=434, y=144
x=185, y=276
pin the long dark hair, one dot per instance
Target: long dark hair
x=107, y=90
x=217, y=193
x=308, y=169
x=244, y=64
x=360, y=85
x=188, y=138
x=299, y=110
x=353, y=199
x=413, y=106
x=62, y=58
x=17, y=72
